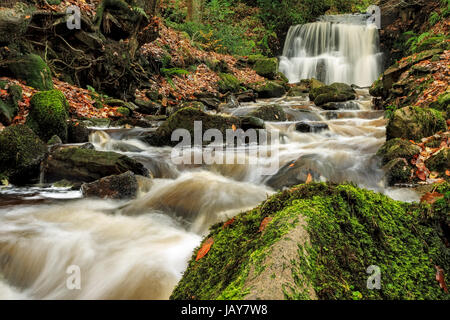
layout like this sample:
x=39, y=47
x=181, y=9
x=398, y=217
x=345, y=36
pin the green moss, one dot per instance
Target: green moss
x=33, y=70
x=124, y=111
x=336, y=92
x=48, y=115
x=397, y=148
x=269, y=113
x=266, y=67
x=268, y=89
x=21, y=151
x=228, y=83
x=439, y=162
x=377, y=88
x=349, y=229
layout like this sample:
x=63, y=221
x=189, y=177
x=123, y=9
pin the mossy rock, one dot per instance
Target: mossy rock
x=184, y=119
x=398, y=171
x=49, y=114
x=442, y=103
x=269, y=113
x=415, y=123
x=439, y=162
x=268, y=89
x=33, y=70
x=314, y=83
x=266, y=67
x=336, y=92
x=77, y=132
x=21, y=152
x=228, y=83
x=124, y=111
x=55, y=140
x=86, y=165
x=397, y=148
x=317, y=242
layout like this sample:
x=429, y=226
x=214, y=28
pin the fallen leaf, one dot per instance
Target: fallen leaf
x=447, y=173
x=309, y=178
x=431, y=197
x=441, y=278
x=204, y=249
x=233, y=127
x=291, y=165
x=228, y=223
x=264, y=223
x=421, y=175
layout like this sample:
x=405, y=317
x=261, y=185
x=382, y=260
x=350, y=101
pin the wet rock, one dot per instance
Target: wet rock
x=147, y=107
x=415, y=123
x=84, y=165
x=33, y=70
x=439, y=162
x=49, y=114
x=307, y=127
x=21, y=152
x=132, y=122
x=336, y=92
x=397, y=148
x=123, y=186
x=210, y=103
x=397, y=171
x=187, y=104
x=268, y=89
x=269, y=113
x=299, y=89
x=348, y=105
x=247, y=96
x=55, y=140
x=249, y=122
x=77, y=132
x=184, y=119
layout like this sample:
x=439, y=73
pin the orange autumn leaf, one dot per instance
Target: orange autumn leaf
x=233, y=127
x=447, y=173
x=440, y=277
x=204, y=249
x=291, y=165
x=421, y=175
x=431, y=197
x=264, y=223
x=228, y=223
x=309, y=178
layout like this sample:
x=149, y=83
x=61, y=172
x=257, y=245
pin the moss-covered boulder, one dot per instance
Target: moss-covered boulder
x=228, y=83
x=269, y=113
x=397, y=148
x=85, y=165
x=77, y=132
x=266, y=67
x=48, y=114
x=398, y=171
x=336, y=92
x=321, y=241
x=33, y=70
x=184, y=119
x=415, y=123
x=442, y=104
x=21, y=152
x=377, y=89
x=268, y=89
x=439, y=162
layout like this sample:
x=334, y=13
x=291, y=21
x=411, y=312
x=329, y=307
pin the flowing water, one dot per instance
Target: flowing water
x=139, y=249
x=335, y=49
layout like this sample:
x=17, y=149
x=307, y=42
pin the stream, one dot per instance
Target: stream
x=139, y=249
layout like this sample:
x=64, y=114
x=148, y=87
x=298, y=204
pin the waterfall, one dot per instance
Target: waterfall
x=342, y=48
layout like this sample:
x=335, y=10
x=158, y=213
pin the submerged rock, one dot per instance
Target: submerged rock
x=49, y=114
x=21, y=152
x=85, y=165
x=307, y=127
x=317, y=241
x=123, y=186
x=269, y=113
x=415, y=123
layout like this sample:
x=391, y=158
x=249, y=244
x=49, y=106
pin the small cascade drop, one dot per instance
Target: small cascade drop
x=342, y=48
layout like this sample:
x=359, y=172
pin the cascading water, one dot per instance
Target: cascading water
x=334, y=49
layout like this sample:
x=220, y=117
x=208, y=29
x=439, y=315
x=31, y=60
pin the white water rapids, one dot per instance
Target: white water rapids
x=139, y=249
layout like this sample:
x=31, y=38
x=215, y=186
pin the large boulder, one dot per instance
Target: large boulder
x=228, y=83
x=33, y=70
x=122, y=186
x=21, y=152
x=48, y=114
x=397, y=148
x=336, y=92
x=268, y=89
x=321, y=241
x=184, y=119
x=85, y=165
x=415, y=123
x=266, y=67
x=269, y=113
